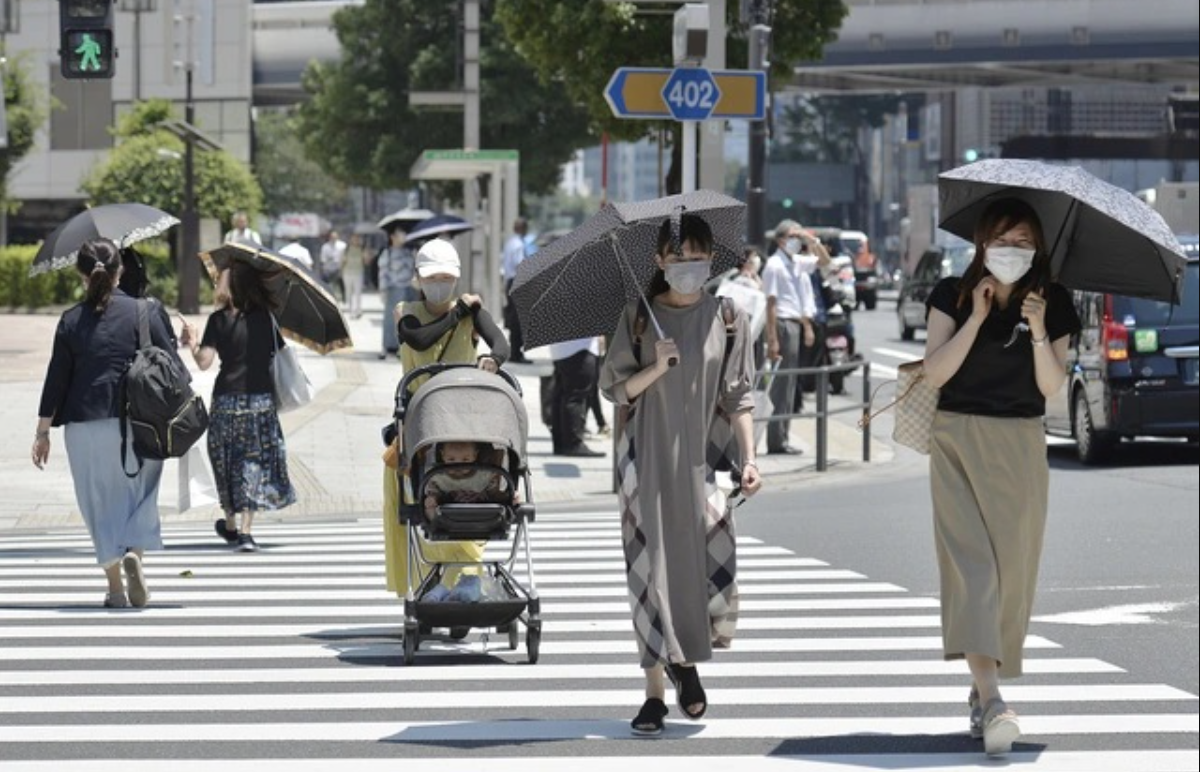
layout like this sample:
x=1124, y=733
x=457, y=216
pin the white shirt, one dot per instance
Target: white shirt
x=299, y=251
x=245, y=236
x=791, y=288
x=331, y=255
x=514, y=253
x=569, y=348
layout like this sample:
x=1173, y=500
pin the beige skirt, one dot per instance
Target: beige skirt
x=990, y=482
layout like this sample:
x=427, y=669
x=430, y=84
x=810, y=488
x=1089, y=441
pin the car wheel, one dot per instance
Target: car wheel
x=1091, y=446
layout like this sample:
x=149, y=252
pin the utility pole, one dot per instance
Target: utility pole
x=759, y=16
x=187, y=266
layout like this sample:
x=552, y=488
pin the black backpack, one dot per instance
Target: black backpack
x=158, y=405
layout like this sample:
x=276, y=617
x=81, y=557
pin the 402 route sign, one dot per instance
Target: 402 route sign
x=687, y=94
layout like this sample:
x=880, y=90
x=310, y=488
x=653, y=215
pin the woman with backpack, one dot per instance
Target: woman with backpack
x=93, y=344
x=676, y=386
x=245, y=440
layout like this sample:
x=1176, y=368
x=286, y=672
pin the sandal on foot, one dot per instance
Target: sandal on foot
x=115, y=600
x=135, y=580
x=649, y=720
x=688, y=690
x=976, y=714
x=1000, y=728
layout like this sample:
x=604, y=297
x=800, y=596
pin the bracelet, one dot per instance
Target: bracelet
x=1039, y=341
x=41, y=435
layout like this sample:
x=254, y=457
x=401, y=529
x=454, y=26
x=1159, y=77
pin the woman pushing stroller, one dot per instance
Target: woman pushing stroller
x=671, y=529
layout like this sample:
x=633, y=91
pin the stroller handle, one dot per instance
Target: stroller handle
x=403, y=395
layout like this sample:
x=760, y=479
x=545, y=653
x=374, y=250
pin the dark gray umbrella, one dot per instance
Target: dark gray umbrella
x=579, y=284
x=437, y=225
x=304, y=309
x=1100, y=237
x=124, y=224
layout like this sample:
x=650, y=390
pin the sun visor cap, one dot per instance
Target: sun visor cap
x=438, y=256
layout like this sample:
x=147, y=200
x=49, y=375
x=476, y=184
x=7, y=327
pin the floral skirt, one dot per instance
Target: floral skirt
x=249, y=458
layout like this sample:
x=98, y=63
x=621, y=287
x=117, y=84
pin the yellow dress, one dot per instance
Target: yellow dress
x=458, y=346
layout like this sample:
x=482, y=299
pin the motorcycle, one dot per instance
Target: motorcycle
x=839, y=329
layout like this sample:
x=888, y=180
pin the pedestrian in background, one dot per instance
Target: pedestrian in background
x=575, y=376
x=996, y=347
x=93, y=345
x=332, y=257
x=242, y=233
x=790, y=312
x=665, y=511
x=245, y=440
x=353, y=266
x=297, y=251
x=516, y=249
x=397, y=271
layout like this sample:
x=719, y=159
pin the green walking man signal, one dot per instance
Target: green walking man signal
x=86, y=39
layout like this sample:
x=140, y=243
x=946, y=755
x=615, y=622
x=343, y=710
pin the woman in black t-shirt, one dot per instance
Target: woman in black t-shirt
x=996, y=343
x=245, y=440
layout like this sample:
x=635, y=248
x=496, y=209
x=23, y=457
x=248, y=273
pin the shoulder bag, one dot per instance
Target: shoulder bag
x=292, y=387
x=915, y=403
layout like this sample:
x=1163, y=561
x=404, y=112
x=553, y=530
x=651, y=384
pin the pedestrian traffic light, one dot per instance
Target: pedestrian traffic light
x=86, y=40
x=787, y=203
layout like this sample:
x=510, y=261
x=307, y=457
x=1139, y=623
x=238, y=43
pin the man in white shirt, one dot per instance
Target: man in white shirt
x=515, y=250
x=790, y=312
x=241, y=232
x=333, y=251
x=576, y=369
x=295, y=249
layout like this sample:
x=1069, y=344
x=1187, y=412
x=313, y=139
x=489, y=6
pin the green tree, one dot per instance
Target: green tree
x=290, y=181
x=580, y=43
x=358, y=124
x=25, y=109
x=147, y=166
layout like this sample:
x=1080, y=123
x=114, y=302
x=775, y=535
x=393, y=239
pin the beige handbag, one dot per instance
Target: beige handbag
x=915, y=403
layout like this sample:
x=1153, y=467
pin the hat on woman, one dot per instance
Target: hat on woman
x=438, y=257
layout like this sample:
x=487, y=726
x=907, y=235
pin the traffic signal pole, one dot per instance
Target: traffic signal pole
x=189, y=266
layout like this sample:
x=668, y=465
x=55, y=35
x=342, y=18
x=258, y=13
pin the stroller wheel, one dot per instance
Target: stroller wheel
x=411, y=638
x=514, y=636
x=533, y=642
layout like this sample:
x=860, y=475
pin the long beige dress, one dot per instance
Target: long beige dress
x=679, y=547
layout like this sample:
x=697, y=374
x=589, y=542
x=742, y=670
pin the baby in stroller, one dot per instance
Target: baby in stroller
x=460, y=481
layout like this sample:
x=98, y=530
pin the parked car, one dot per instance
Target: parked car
x=935, y=264
x=1132, y=370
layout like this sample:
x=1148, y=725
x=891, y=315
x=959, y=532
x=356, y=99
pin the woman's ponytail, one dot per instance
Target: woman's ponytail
x=100, y=261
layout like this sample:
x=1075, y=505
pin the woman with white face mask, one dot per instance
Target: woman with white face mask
x=996, y=343
x=673, y=381
x=442, y=326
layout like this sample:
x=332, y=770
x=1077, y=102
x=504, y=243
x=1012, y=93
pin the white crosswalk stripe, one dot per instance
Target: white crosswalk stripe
x=292, y=658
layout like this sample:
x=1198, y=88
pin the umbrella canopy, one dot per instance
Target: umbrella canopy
x=305, y=310
x=404, y=218
x=1101, y=238
x=436, y=226
x=578, y=285
x=125, y=224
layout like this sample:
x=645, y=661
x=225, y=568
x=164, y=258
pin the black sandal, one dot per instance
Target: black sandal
x=688, y=690
x=649, y=720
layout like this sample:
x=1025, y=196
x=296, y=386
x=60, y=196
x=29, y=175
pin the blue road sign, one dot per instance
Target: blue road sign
x=691, y=94
x=644, y=93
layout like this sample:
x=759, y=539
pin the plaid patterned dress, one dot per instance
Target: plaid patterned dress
x=677, y=532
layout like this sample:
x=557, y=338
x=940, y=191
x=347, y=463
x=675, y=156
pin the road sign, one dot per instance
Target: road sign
x=641, y=92
x=691, y=94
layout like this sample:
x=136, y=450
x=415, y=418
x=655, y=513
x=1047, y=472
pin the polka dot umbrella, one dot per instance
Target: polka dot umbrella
x=579, y=284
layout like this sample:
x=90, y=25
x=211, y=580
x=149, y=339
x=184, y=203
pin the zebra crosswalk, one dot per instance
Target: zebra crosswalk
x=292, y=658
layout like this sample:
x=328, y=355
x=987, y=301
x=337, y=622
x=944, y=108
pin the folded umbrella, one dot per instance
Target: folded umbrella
x=125, y=224
x=438, y=225
x=579, y=284
x=1100, y=237
x=304, y=309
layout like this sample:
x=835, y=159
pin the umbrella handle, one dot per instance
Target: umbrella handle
x=671, y=361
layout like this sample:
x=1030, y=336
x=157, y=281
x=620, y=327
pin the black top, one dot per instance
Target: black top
x=243, y=341
x=994, y=380
x=411, y=333
x=91, y=353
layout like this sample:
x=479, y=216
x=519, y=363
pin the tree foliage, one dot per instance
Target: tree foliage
x=25, y=110
x=291, y=182
x=358, y=124
x=580, y=43
x=147, y=166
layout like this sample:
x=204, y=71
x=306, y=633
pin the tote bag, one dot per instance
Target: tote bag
x=916, y=402
x=292, y=387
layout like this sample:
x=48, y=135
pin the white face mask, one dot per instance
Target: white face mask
x=687, y=278
x=757, y=262
x=438, y=292
x=1008, y=264
x=791, y=246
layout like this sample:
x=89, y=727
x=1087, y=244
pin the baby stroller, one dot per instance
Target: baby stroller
x=459, y=498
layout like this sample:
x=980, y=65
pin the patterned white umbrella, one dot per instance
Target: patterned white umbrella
x=1100, y=237
x=579, y=284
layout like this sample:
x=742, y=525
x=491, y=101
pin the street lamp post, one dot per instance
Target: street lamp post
x=137, y=8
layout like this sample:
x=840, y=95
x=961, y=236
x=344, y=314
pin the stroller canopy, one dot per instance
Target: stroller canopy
x=466, y=405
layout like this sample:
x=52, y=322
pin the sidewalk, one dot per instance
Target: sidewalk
x=334, y=442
